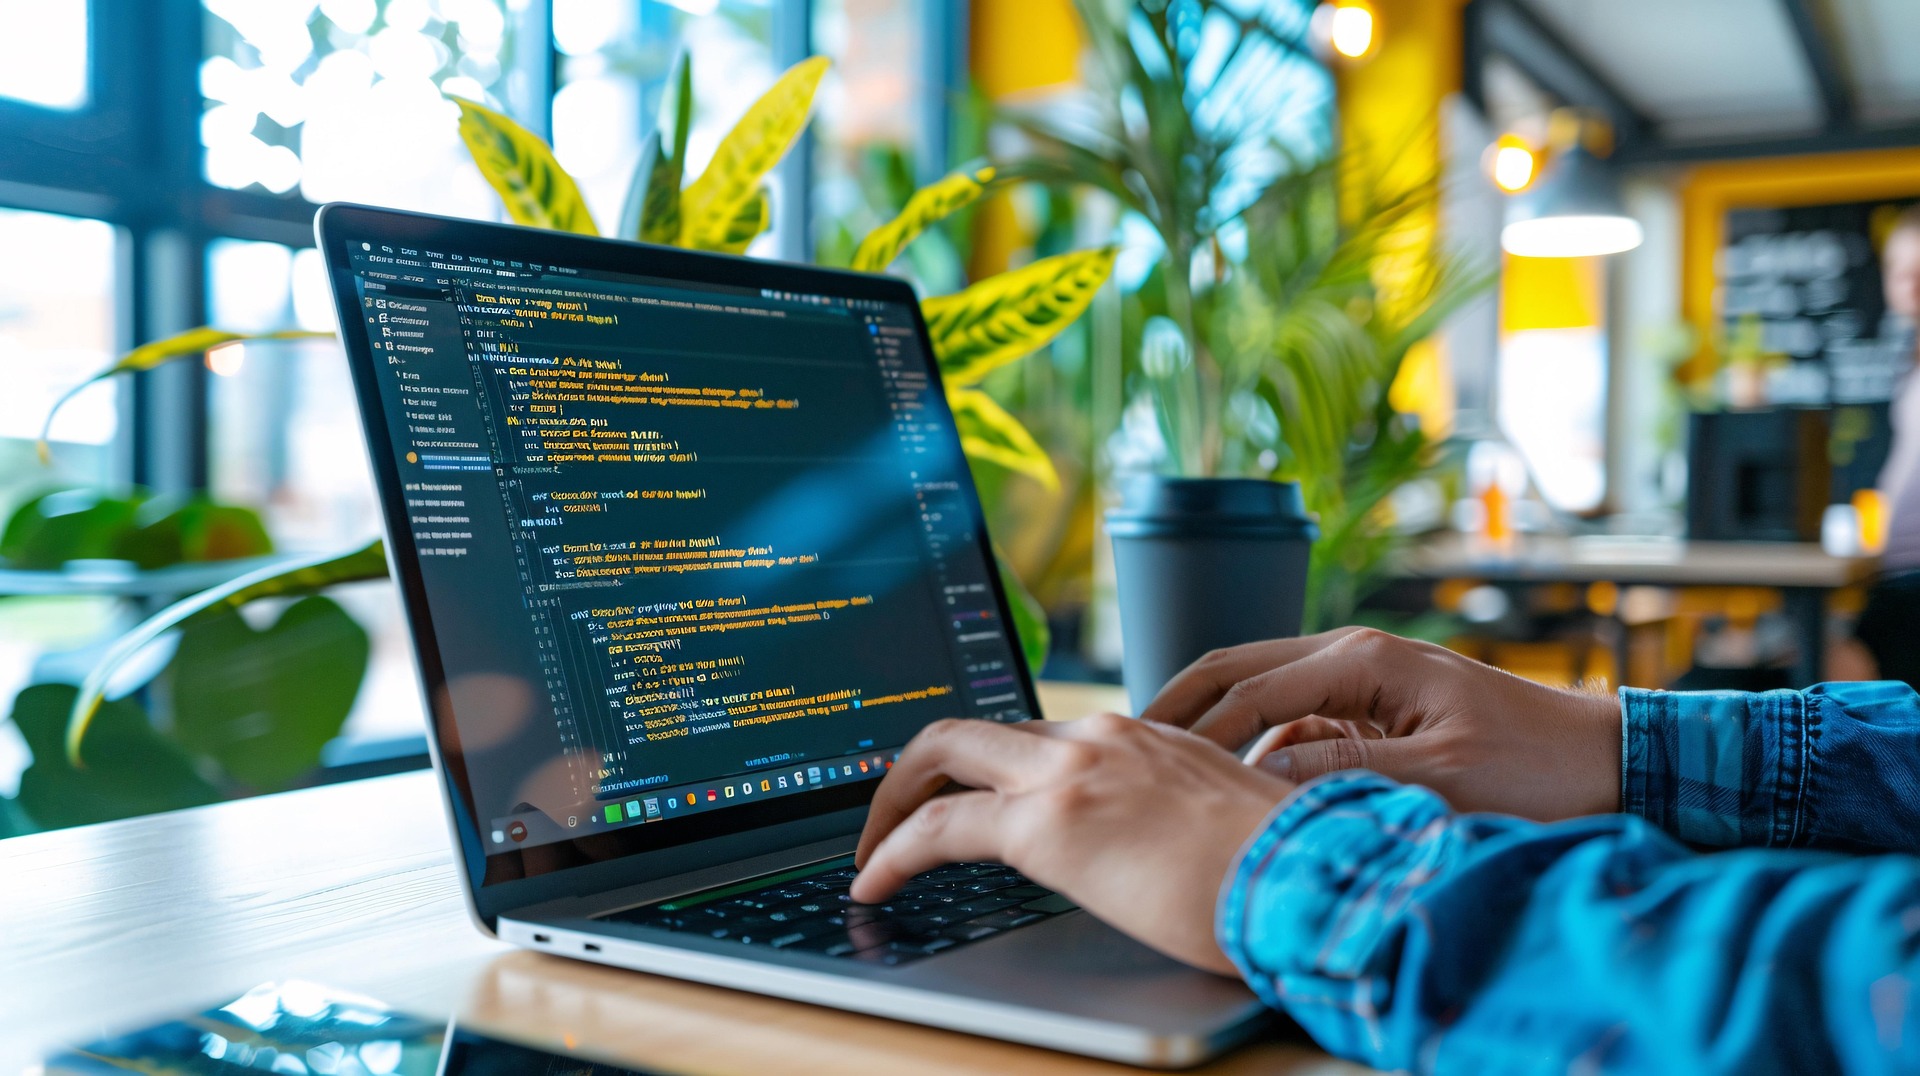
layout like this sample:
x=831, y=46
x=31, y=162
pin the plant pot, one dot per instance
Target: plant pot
x=1203, y=563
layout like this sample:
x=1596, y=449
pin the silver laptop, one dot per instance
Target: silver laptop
x=689, y=551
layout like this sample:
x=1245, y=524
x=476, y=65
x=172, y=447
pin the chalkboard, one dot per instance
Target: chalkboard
x=1807, y=279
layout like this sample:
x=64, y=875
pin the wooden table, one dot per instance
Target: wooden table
x=352, y=886
x=1803, y=572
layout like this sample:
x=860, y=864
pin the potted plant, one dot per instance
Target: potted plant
x=981, y=328
x=1261, y=346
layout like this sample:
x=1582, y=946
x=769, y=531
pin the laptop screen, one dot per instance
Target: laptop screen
x=696, y=557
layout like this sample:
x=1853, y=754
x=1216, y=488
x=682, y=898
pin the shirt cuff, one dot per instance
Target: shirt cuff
x=1303, y=905
x=1707, y=766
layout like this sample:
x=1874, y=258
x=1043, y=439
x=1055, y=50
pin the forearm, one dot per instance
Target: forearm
x=1836, y=766
x=1405, y=936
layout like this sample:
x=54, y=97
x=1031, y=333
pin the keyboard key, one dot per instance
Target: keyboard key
x=933, y=913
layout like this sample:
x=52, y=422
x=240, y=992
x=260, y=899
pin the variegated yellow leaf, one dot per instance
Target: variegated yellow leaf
x=930, y=204
x=196, y=341
x=991, y=435
x=710, y=204
x=753, y=218
x=1004, y=317
x=521, y=167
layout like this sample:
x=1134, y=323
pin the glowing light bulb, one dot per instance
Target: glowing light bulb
x=1513, y=164
x=1351, y=30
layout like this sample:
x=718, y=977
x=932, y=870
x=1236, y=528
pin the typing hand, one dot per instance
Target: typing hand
x=1136, y=823
x=1418, y=713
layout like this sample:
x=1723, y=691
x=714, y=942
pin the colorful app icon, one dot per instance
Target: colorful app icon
x=847, y=771
x=674, y=801
x=613, y=812
x=653, y=808
x=633, y=808
x=712, y=795
x=863, y=765
x=813, y=775
x=746, y=788
x=691, y=800
x=729, y=791
x=517, y=830
x=783, y=782
x=765, y=784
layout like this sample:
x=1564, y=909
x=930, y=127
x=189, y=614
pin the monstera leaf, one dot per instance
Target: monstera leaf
x=263, y=703
x=712, y=204
x=928, y=206
x=294, y=579
x=1004, y=317
x=991, y=435
x=652, y=210
x=130, y=770
x=519, y=165
x=160, y=352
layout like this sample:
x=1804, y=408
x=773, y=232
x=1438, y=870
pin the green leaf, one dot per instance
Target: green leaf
x=928, y=205
x=160, y=352
x=131, y=769
x=1029, y=619
x=263, y=703
x=753, y=219
x=68, y=524
x=991, y=435
x=652, y=210
x=291, y=579
x=174, y=531
x=710, y=205
x=1004, y=317
x=13, y=819
x=520, y=166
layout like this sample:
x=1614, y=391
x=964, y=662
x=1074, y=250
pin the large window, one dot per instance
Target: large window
x=163, y=161
x=56, y=327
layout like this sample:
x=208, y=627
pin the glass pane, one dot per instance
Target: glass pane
x=864, y=123
x=343, y=100
x=56, y=328
x=615, y=56
x=43, y=54
x=285, y=439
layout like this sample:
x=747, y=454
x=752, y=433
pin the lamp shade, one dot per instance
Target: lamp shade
x=1574, y=211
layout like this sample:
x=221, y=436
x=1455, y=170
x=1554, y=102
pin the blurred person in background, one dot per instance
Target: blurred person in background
x=1886, y=639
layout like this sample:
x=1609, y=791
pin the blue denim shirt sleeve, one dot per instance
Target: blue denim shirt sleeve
x=1404, y=936
x=1836, y=766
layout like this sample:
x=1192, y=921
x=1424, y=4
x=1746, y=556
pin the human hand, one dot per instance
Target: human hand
x=1360, y=699
x=1136, y=823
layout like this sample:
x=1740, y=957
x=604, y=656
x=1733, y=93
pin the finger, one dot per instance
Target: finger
x=1307, y=729
x=962, y=827
x=979, y=754
x=1401, y=759
x=1360, y=677
x=1202, y=684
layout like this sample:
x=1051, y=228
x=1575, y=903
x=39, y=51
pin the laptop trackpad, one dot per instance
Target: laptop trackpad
x=1076, y=964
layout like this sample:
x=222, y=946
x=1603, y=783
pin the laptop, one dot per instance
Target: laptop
x=688, y=551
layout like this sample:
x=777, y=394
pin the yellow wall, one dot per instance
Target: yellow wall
x=1709, y=191
x=1389, y=115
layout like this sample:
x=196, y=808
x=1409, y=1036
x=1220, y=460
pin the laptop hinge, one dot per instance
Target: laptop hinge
x=588, y=905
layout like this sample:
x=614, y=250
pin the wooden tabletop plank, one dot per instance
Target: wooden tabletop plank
x=353, y=886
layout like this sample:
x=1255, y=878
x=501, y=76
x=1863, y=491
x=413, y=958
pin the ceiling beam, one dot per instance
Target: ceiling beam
x=1509, y=28
x=1843, y=140
x=1823, y=62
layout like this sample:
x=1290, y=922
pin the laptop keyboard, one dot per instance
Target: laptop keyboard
x=810, y=911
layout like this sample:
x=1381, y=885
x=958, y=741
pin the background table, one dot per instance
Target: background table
x=352, y=886
x=1803, y=573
